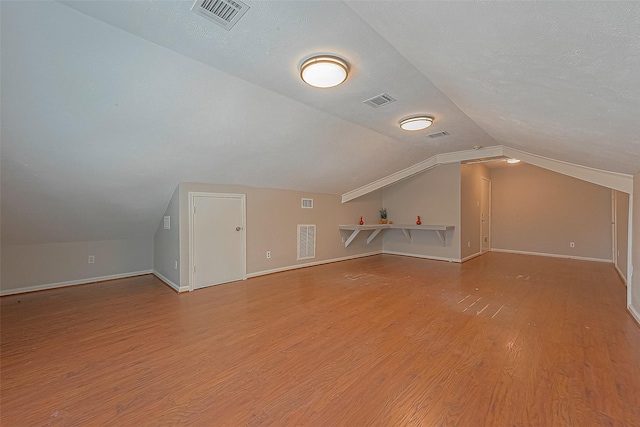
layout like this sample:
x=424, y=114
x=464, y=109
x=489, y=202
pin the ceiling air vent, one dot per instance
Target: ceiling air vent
x=438, y=134
x=379, y=101
x=225, y=13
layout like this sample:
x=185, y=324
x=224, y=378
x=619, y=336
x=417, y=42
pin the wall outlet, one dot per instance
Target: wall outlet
x=572, y=244
x=468, y=244
x=175, y=265
x=268, y=254
x=92, y=259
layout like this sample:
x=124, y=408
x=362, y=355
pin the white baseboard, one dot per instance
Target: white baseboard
x=170, y=283
x=435, y=258
x=634, y=313
x=311, y=264
x=624, y=280
x=72, y=283
x=477, y=254
x=582, y=258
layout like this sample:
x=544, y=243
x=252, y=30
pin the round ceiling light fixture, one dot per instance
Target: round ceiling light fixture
x=324, y=71
x=416, y=123
x=513, y=161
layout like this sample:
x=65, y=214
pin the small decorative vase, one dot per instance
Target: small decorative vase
x=361, y=221
x=418, y=222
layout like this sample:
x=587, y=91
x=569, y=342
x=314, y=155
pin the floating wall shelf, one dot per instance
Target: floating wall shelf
x=440, y=230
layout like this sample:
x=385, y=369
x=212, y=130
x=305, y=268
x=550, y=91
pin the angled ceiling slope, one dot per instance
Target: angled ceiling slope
x=616, y=181
x=558, y=79
x=108, y=105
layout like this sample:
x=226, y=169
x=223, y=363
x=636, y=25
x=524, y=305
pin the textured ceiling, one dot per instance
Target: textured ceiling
x=558, y=79
x=106, y=106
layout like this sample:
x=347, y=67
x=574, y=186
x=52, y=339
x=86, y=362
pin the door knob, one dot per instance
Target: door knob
x=238, y=228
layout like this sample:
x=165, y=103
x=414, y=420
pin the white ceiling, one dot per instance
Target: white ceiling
x=106, y=106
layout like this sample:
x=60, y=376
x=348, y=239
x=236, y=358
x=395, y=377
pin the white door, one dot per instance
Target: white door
x=485, y=216
x=217, y=239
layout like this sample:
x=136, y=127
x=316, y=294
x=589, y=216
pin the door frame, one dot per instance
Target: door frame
x=489, y=215
x=243, y=198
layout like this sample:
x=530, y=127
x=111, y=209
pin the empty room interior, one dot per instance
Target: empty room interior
x=320, y=213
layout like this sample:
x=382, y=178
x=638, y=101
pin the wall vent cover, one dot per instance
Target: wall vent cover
x=380, y=100
x=438, y=134
x=306, y=241
x=225, y=13
x=307, y=203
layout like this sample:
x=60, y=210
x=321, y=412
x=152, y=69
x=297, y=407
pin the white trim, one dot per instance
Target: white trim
x=243, y=197
x=624, y=280
x=630, y=271
x=170, y=283
x=488, y=219
x=424, y=165
x=467, y=258
x=311, y=264
x=435, y=258
x=582, y=258
x=391, y=179
x=614, y=226
x=634, y=313
x=86, y=281
x=617, y=181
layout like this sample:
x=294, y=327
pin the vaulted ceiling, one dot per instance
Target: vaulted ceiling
x=107, y=105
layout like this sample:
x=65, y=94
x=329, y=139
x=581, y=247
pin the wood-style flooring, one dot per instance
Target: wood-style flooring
x=500, y=340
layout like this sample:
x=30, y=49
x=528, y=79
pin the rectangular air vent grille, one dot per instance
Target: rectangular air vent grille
x=225, y=13
x=438, y=134
x=306, y=241
x=307, y=203
x=380, y=100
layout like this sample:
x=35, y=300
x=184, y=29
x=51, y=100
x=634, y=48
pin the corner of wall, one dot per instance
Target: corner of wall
x=634, y=288
x=166, y=244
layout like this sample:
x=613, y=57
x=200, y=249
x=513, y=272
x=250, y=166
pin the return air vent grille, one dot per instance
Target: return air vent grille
x=306, y=241
x=380, y=100
x=225, y=13
x=438, y=134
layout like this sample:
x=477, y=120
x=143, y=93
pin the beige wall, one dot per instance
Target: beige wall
x=166, y=243
x=470, y=191
x=272, y=218
x=42, y=266
x=539, y=211
x=435, y=196
x=622, y=231
x=635, y=259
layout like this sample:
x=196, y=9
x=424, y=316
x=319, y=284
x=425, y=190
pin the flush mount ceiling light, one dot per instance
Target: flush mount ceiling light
x=324, y=71
x=512, y=161
x=416, y=123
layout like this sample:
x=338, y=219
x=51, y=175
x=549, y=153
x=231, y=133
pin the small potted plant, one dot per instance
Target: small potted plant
x=383, y=215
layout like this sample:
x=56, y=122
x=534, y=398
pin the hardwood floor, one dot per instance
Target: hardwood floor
x=500, y=340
